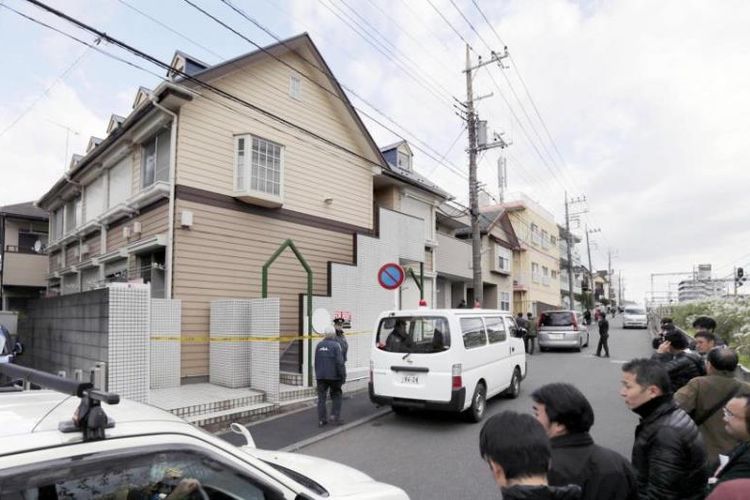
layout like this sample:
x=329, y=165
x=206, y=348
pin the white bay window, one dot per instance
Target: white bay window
x=259, y=169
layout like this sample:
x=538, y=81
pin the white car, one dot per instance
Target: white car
x=635, y=317
x=145, y=452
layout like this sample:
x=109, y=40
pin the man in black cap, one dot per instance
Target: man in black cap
x=681, y=365
x=338, y=325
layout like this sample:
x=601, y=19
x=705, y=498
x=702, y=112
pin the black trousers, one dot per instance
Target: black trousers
x=603, y=339
x=529, y=342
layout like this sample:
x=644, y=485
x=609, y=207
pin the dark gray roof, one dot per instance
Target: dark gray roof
x=27, y=210
x=485, y=220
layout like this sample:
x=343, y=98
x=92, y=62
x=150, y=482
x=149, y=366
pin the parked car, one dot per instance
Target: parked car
x=445, y=359
x=562, y=328
x=139, y=451
x=634, y=316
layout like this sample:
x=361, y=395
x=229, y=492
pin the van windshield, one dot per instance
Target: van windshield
x=634, y=310
x=557, y=318
x=419, y=334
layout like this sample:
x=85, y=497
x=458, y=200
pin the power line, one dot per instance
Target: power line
x=481, y=38
x=172, y=30
x=450, y=25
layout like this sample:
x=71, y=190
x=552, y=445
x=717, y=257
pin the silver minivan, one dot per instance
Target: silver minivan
x=563, y=329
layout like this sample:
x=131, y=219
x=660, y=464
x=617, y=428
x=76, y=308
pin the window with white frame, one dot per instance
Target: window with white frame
x=295, y=86
x=535, y=276
x=535, y=237
x=404, y=161
x=554, y=274
x=259, y=165
x=552, y=239
x=119, y=182
x=545, y=275
x=505, y=301
x=502, y=258
x=56, y=229
x=155, y=158
x=545, y=239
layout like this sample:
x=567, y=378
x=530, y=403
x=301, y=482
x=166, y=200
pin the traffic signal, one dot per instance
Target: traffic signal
x=740, y=277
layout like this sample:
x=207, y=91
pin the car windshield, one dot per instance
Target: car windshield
x=634, y=310
x=557, y=318
x=421, y=334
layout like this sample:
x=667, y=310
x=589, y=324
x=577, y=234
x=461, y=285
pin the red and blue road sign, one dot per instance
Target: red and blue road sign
x=391, y=275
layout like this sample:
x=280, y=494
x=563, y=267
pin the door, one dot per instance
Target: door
x=412, y=358
x=501, y=348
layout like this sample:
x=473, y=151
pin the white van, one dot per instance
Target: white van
x=445, y=359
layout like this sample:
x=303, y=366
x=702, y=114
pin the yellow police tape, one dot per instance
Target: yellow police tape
x=242, y=338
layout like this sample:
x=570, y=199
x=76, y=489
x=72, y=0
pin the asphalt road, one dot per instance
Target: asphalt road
x=436, y=456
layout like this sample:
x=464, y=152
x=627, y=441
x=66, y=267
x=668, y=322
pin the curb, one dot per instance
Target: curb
x=337, y=430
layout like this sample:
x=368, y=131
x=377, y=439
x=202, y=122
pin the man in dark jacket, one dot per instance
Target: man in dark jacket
x=668, y=452
x=567, y=416
x=517, y=450
x=704, y=397
x=737, y=423
x=523, y=325
x=603, y=337
x=681, y=365
x=330, y=373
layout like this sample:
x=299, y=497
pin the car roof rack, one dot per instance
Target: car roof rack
x=89, y=418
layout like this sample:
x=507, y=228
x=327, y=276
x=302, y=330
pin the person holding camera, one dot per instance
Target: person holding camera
x=681, y=365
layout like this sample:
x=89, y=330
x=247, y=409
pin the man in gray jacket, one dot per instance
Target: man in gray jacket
x=330, y=373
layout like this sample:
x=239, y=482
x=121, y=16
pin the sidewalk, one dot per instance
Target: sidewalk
x=295, y=429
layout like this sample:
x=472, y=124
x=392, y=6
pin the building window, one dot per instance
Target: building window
x=56, y=224
x=404, y=161
x=295, y=86
x=502, y=258
x=554, y=274
x=545, y=276
x=31, y=242
x=535, y=277
x=535, y=237
x=96, y=198
x=552, y=239
x=72, y=214
x=263, y=172
x=119, y=183
x=545, y=239
x=505, y=301
x=155, y=162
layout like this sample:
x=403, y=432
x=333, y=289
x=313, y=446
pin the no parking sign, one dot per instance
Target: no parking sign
x=391, y=275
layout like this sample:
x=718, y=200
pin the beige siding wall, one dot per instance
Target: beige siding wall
x=153, y=222
x=221, y=256
x=94, y=242
x=23, y=269
x=313, y=170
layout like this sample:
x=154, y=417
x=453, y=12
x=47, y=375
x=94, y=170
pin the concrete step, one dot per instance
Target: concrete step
x=289, y=394
x=238, y=413
x=290, y=378
x=196, y=410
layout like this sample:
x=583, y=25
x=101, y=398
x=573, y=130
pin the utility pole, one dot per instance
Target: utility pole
x=475, y=146
x=609, y=274
x=619, y=284
x=569, y=241
x=588, y=250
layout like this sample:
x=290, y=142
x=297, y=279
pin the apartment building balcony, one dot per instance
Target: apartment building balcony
x=24, y=269
x=453, y=257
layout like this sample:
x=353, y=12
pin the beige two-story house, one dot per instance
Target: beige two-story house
x=193, y=191
x=23, y=263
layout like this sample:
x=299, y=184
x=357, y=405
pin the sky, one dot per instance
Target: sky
x=640, y=107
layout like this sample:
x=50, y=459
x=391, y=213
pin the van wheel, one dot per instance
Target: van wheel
x=400, y=410
x=514, y=389
x=478, y=404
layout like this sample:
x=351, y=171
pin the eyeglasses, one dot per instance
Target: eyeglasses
x=728, y=413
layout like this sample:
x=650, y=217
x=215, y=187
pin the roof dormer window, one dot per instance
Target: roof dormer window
x=404, y=160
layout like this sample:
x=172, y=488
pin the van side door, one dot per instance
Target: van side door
x=500, y=345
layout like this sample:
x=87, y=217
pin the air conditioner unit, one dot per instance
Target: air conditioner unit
x=126, y=232
x=136, y=227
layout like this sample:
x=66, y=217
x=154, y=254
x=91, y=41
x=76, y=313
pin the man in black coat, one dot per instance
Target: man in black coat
x=330, y=373
x=603, y=337
x=517, y=450
x=681, y=365
x=567, y=416
x=668, y=452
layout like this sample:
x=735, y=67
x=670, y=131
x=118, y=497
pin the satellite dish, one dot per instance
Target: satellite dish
x=320, y=320
x=37, y=246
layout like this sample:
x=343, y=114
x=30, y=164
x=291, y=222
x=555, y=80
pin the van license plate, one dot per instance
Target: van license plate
x=410, y=379
x=555, y=336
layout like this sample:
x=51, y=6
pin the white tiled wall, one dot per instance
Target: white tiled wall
x=166, y=323
x=229, y=361
x=356, y=288
x=265, y=321
x=129, y=339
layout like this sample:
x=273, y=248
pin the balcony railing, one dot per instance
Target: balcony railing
x=24, y=249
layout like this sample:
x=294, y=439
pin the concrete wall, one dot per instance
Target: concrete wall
x=66, y=333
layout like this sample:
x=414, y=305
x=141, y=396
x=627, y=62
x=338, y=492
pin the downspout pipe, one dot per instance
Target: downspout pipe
x=169, y=257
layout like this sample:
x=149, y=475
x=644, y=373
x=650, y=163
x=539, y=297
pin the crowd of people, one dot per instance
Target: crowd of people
x=692, y=441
